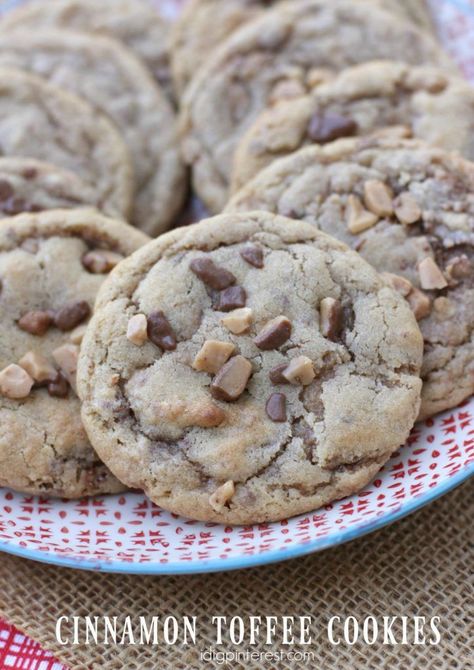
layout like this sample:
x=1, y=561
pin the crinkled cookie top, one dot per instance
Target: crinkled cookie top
x=280, y=55
x=51, y=267
x=384, y=96
x=248, y=368
x=408, y=209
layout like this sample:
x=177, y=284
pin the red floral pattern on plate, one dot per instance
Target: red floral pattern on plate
x=130, y=530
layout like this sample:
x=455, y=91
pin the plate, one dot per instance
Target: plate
x=127, y=533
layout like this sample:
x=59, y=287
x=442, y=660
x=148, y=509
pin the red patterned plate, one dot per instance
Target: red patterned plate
x=128, y=533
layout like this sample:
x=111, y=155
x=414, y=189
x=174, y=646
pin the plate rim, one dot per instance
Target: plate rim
x=244, y=562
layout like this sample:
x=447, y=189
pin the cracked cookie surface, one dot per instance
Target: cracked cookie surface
x=408, y=209
x=137, y=24
x=414, y=100
x=51, y=267
x=281, y=54
x=27, y=185
x=118, y=85
x=205, y=24
x=248, y=368
x=40, y=120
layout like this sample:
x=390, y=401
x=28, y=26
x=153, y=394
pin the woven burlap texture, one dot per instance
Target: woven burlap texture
x=419, y=566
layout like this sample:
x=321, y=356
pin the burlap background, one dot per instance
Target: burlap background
x=419, y=566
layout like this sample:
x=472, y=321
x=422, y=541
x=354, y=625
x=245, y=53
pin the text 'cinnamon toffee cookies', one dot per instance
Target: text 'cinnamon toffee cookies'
x=281, y=54
x=43, y=121
x=137, y=24
x=408, y=209
x=248, y=368
x=108, y=75
x=51, y=267
x=388, y=96
x=205, y=24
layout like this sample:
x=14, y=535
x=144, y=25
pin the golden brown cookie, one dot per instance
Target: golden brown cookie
x=248, y=368
x=393, y=98
x=408, y=209
x=281, y=54
x=51, y=267
x=110, y=77
x=43, y=121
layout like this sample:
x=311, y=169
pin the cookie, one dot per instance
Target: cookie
x=43, y=121
x=201, y=27
x=360, y=100
x=278, y=55
x=248, y=368
x=210, y=22
x=408, y=209
x=51, y=267
x=136, y=24
x=28, y=185
x=114, y=81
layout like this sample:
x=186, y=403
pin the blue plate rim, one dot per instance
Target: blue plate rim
x=242, y=562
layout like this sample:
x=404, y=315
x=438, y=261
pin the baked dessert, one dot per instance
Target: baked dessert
x=248, y=368
x=136, y=24
x=282, y=54
x=393, y=98
x=408, y=209
x=51, y=266
x=43, y=121
x=114, y=81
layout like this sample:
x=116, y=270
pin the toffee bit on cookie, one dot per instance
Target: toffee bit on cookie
x=231, y=380
x=59, y=387
x=300, y=370
x=420, y=304
x=318, y=75
x=276, y=407
x=276, y=374
x=30, y=245
x=137, y=329
x=324, y=128
x=219, y=499
x=77, y=335
x=253, y=255
x=71, y=315
x=160, y=331
x=286, y=89
x=211, y=274
x=274, y=333
x=431, y=277
x=6, y=190
x=330, y=311
x=231, y=298
x=444, y=306
x=459, y=267
x=399, y=284
x=213, y=355
x=238, y=321
x=200, y=414
x=38, y=366
x=406, y=209
x=66, y=356
x=101, y=261
x=378, y=197
x=15, y=382
x=36, y=322
x=358, y=219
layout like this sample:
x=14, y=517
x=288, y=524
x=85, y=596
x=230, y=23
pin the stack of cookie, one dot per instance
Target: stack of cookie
x=270, y=359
